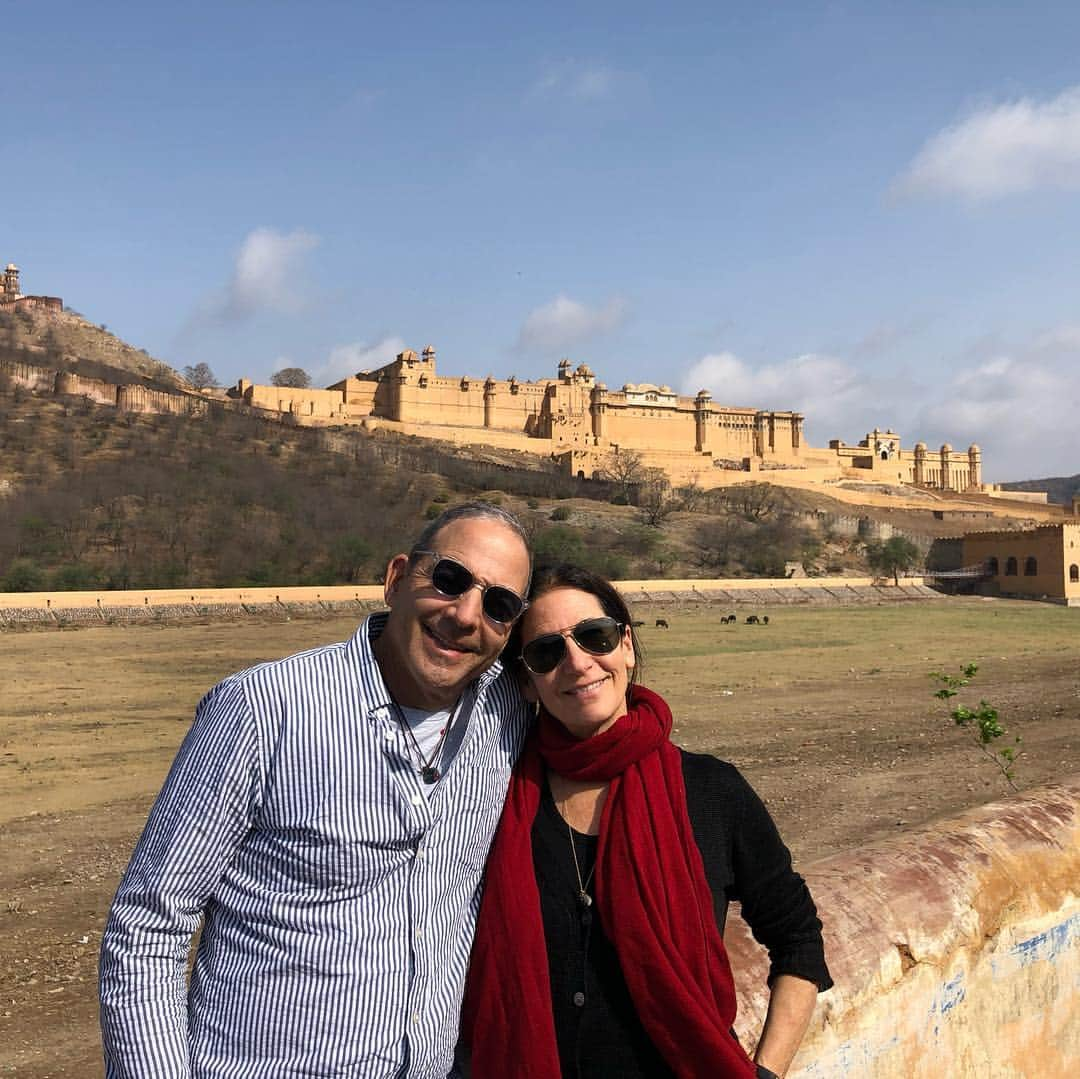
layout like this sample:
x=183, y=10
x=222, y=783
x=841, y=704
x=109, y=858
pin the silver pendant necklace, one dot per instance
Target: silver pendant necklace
x=429, y=773
x=583, y=897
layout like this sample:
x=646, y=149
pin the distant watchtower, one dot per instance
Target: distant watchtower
x=11, y=284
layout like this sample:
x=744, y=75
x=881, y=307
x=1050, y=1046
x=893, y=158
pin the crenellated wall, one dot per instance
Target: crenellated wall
x=955, y=949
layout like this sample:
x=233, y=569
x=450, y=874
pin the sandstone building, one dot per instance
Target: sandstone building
x=579, y=422
x=1042, y=562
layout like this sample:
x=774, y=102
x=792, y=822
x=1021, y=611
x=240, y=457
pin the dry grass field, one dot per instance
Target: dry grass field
x=827, y=711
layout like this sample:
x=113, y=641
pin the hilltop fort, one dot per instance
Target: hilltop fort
x=12, y=299
x=580, y=423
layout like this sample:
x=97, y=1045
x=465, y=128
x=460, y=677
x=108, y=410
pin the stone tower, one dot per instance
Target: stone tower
x=11, y=283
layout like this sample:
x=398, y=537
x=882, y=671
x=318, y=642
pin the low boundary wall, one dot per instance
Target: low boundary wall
x=184, y=604
x=955, y=949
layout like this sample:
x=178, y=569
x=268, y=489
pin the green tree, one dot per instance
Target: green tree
x=983, y=722
x=23, y=575
x=896, y=555
x=349, y=555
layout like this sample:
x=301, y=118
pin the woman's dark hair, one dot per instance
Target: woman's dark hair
x=547, y=578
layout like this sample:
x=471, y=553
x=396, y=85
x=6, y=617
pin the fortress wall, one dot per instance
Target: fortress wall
x=783, y=477
x=642, y=428
x=306, y=402
x=1038, y=497
x=443, y=400
x=512, y=410
x=359, y=396
x=955, y=949
x=104, y=393
x=133, y=398
x=470, y=436
x=29, y=377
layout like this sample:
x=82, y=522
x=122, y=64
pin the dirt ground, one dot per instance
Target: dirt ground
x=827, y=711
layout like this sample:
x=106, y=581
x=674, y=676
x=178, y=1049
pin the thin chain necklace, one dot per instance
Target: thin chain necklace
x=583, y=896
x=429, y=773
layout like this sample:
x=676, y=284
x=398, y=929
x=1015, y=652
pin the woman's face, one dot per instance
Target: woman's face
x=586, y=693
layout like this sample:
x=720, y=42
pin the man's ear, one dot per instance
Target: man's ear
x=396, y=571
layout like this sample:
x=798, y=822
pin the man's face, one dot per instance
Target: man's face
x=435, y=645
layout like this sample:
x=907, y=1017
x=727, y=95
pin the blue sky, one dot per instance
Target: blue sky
x=866, y=212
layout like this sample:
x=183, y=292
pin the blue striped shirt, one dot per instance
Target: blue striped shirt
x=337, y=901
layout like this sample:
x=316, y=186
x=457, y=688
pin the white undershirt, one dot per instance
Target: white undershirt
x=427, y=728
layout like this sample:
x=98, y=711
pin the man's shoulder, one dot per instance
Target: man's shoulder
x=307, y=669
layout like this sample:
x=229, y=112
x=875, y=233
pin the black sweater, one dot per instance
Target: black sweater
x=595, y=1021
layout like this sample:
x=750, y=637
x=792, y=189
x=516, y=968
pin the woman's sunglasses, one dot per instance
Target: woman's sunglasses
x=597, y=636
x=501, y=604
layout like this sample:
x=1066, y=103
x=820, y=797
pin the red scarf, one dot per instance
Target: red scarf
x=651, y=893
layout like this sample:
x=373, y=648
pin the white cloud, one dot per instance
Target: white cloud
x=266, y=271
x=999, y=150
x=828, y=391
x=1019, y=404
x=577, y=80
x=345, y=360
x=1020, y=408
x=268, y=275
x=564, y=322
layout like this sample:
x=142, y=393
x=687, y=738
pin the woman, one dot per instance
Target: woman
x=599, y=950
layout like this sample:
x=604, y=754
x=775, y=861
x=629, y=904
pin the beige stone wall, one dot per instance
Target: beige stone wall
x=955, y=949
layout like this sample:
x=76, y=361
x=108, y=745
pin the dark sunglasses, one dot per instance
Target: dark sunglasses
x=501, y=604
x=597, y=636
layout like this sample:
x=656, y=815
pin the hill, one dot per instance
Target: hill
x=95, y=497
x=64, y=339
x=1059, y=489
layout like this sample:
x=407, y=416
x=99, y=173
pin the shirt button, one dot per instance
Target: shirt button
x=579, y=1000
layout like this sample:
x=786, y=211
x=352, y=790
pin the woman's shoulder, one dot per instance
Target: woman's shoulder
x=703, y=773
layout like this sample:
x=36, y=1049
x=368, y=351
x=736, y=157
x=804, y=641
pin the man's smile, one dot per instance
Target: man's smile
x=444, y=643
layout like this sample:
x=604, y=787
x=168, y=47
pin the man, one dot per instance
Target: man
x=327, y=820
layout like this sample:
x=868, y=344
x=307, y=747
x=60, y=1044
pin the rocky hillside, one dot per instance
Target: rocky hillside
x=1058, y=488
x=66, y=339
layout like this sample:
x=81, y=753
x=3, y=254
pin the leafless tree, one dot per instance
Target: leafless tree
x=625, y=469
x=751, y=501
x=201, y=377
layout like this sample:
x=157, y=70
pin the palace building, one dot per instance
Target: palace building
x=579, y=422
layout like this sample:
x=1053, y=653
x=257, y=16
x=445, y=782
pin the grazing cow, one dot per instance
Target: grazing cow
x=752, y=620
x=728, y=618
x=764, y=619
x=637, y=625
x=661, y=623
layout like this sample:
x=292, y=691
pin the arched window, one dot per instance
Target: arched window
x=1031, y=567
x=1074, y=573
x=992, y=566
x=1010, y=567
